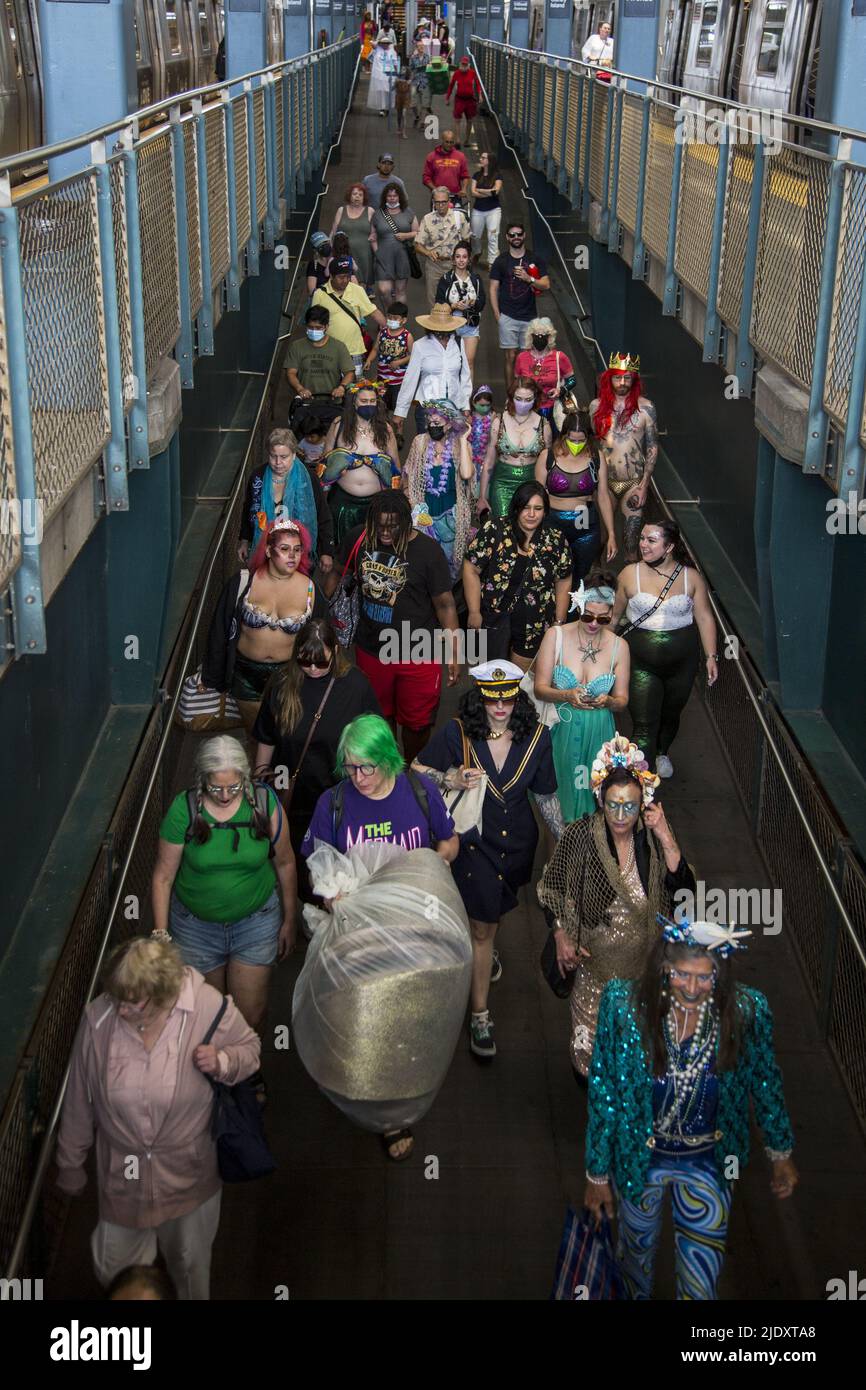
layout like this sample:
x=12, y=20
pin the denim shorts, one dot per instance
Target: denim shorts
x=469, y=330
x=511, y=332
x=207, y=946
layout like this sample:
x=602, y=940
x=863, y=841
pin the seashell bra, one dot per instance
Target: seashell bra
x=255, y=617
x=565, y=679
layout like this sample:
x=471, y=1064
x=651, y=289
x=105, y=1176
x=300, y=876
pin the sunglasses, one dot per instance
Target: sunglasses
x=601, y=618
x=222, y=791
x=306, y=665
x=622, y=808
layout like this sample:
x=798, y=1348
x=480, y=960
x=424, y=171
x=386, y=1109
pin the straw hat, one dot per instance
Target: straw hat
x=441, y=320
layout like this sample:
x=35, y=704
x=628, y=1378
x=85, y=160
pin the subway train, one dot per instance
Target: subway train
x=762, y=53
x=176, y=44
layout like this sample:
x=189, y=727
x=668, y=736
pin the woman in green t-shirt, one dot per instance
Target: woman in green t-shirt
x=224, y=861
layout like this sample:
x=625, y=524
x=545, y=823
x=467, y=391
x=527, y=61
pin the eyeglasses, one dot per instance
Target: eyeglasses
x=364, y=769
x=622, y=808
x=601, y=618
x=223, y=791
x=703, y=980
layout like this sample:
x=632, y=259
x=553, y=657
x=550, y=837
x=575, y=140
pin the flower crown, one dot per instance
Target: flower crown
x=713, y=935
x=619, y=752
x=378, y=386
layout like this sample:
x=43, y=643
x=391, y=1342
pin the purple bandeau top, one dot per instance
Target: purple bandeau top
x=563, y=484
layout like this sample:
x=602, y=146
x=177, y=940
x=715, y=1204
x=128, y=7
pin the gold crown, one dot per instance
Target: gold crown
x=623, y=362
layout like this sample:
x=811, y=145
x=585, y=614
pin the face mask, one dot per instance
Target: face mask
x=313, y=451
x=315, y=335
x=540, y=341
x=482, y=408
x=523, y=407
x=436, y=431
x=366, y=412
x=394, y=325
x=575, y=448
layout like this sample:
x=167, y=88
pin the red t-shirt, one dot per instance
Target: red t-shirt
x=544, y=372
x=466, y=84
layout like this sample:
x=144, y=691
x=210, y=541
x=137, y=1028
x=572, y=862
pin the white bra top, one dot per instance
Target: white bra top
x=675, y=611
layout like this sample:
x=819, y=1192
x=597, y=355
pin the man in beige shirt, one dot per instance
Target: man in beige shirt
x=437, y=236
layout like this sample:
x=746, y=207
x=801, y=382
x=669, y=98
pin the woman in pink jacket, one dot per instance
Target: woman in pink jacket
x=138, y=1085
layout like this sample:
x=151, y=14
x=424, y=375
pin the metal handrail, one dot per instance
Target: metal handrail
x=721, y=616
x=129, y=122
x=18, y=1248
x=789, y=117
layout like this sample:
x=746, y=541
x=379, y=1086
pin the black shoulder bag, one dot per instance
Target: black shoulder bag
x=236, y=1127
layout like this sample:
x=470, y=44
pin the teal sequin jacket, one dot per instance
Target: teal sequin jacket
x=621, y=1088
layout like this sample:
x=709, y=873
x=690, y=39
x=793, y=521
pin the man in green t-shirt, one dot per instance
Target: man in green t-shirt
x=318, y=364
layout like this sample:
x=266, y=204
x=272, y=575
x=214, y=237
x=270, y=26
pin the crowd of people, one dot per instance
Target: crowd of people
x=499, y=521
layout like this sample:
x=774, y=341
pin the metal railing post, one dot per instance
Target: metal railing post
x=29, y=610
x=669, y=303
x=204, y=323
x=586, y=196
x=270, y=109
x=562, y=180
x=851, y=479
x=114, y=454
x=613, y=145
x=288, y=142
x=184, y=351
x=830, y=942
x=638, y=264
x=816, y=430
x=139, y=452
x=256, y=213
x=712, y=320
x=745, y=352
x=233, y=287
x=576, y=190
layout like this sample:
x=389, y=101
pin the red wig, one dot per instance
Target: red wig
x=607, y=400
x=259, y=556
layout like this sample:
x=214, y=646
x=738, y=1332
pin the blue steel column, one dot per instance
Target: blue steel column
x=253, y=164
x=184, y=351
x=273, y=215
x=605, y=161
x=635, y=37
x=78, y=93
x=613, y=221
x=139, y=452
x=557, y=27
x=745, y=352
x=587, y=145
x=576, y=191
x=518, y=24
x=712, y=321
x=496, y=21
x=204, y=323
x=669, y=303
x=296, y=27
x=246, y=36
x=323, y=19
x=27, y=580
x=638, y=265
x=233, y=297
x=288, y=141
x=816, y=432
x=562, y=180
x=116, y=478
x=480, y=22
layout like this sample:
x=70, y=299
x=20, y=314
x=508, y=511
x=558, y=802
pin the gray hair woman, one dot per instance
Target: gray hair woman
x=224, y=861
x=543, y=363
x=138, y=1083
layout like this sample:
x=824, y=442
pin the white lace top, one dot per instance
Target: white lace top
x=675, y=611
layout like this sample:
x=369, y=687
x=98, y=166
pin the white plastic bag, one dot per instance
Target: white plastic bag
x=380, y=1003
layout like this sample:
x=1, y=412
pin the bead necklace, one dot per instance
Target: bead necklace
x=684, y=1067
x=444, y=464
x=626, y=868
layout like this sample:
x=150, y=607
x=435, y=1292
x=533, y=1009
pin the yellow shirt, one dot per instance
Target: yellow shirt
x=341, y=326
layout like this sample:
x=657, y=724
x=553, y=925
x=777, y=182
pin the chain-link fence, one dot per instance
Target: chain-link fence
x=695, y=214
x=848, y=292
x=159, y=257
x=735, y=233
x=10, y=521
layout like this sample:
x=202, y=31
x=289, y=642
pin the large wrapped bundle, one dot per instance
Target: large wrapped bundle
x=380, y=1002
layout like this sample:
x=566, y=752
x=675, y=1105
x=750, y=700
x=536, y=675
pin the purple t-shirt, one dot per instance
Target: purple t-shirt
x=398, y=818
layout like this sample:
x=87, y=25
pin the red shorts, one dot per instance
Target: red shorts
x=408, y=689
x=465, y=106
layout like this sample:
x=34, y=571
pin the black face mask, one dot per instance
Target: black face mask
x=540, y=341
x=436, y=431
x=366, y=412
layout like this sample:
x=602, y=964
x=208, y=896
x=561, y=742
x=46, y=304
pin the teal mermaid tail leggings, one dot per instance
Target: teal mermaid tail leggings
x=663, y=670
x=701, y=1203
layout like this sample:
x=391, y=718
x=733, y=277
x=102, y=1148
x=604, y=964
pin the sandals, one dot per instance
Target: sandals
x=389, y=1141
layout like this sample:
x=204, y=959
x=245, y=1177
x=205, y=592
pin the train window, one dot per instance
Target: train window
x=205, y=30
x=771, y=38
x=707, y=36
x=173, y=29
x=13, y=38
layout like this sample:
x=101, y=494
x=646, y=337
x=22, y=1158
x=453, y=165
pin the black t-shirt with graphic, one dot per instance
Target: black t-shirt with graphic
x=395, y=591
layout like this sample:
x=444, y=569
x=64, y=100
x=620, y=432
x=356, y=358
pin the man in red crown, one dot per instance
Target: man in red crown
x=624, y=422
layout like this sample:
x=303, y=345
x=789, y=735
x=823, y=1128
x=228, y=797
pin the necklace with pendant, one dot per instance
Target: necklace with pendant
x=588, y=651
x=498, y=734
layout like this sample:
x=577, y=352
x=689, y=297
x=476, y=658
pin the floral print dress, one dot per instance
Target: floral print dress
x=494, y=553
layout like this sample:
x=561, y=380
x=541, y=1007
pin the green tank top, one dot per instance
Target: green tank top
x=215, y=881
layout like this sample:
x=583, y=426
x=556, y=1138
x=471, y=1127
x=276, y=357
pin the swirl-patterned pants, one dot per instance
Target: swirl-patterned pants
x=701, y=1206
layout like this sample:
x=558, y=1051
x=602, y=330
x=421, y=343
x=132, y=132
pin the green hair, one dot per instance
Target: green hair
x=371, y=740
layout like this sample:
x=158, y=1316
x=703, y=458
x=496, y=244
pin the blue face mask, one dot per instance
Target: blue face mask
x=315, y=335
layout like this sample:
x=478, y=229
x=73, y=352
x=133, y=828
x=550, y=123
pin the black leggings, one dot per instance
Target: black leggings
x=663, y=670
x=583, y=542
